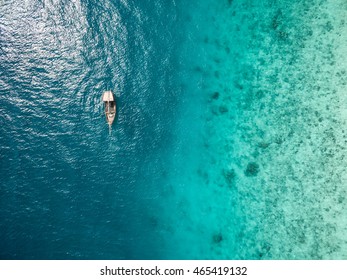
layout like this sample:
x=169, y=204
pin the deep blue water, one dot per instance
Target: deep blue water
x=68, y=188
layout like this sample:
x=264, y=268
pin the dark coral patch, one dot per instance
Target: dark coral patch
x=238, y=85
x=283, y=35
x=263, y=144
x=277, y=20
x=252, y=169
x=217, y=238
x=197, y=69
x=229, y=175
x=215, y=95
x=279, y=140
x=223, y=109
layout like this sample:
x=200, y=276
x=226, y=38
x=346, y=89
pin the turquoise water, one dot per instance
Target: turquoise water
x=229, y=140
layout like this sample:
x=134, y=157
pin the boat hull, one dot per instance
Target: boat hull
x=109, y=106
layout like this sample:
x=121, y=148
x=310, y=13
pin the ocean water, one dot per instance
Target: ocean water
x=68, y=188
x=229, y=140
x=271, y=169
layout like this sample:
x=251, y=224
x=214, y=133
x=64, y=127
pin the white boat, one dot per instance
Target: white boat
x=110, y=106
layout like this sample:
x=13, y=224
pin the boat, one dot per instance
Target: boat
x=110, y=107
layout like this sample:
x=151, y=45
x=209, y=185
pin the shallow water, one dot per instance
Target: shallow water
x=271, y=181
x=229, y=140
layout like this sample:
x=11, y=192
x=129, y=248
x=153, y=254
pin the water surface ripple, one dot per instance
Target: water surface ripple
x=68, y=189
